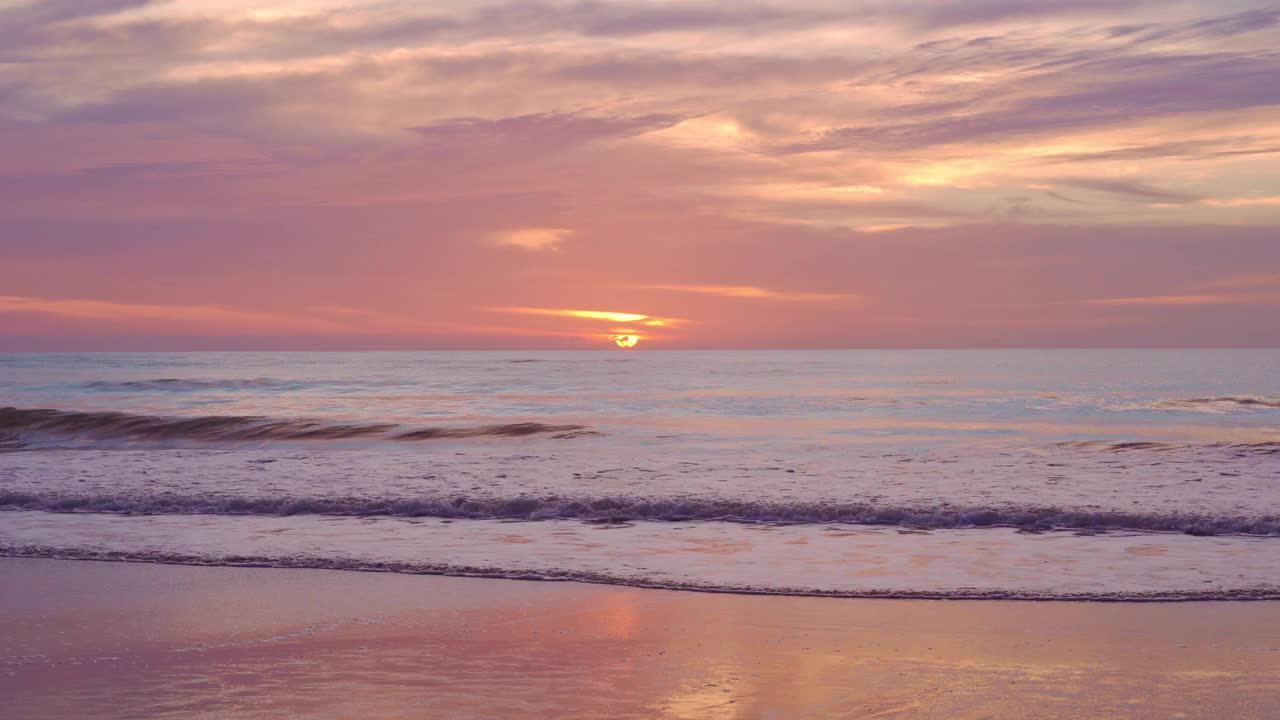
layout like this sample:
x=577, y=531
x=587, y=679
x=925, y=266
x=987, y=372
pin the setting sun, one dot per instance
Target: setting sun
x=626, y=341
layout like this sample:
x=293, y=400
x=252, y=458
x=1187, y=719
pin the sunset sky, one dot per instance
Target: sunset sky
x=227, y=174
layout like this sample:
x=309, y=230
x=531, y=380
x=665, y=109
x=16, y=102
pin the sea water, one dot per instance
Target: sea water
x=1075, y=474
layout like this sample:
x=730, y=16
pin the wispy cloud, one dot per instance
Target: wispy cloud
x=1136, y=189
x=202, y=317
x=1165, y=300
x=756, y=293
x=1252, y=280
x=1190, y=149
x=1268, y=201
x=540, y=132
x=533, y=238
x=603, y=315
x=218, y=320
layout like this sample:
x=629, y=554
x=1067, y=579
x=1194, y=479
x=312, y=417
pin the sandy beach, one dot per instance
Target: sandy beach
x=126, y=640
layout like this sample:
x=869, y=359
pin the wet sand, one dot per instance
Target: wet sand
x=124, y=640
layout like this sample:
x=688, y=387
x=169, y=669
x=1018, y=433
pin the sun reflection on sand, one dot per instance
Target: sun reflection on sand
x=712, y=696
x=473, y=648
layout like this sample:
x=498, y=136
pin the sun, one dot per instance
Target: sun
x=626, y=341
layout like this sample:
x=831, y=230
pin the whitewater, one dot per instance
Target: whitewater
x=1072, y=475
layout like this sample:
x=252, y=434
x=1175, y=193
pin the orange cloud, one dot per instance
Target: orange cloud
x=802, y=191
x=616, y=317
x=1247, y=281
x=215, y=316
x=888, y=227
x=220, y=320
x=1183, y=300
x=1243, y=202
x=588, y=314
x=759, y=293
x=534, y=239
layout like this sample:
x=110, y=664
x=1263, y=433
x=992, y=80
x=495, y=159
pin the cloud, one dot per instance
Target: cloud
x=220, y=102
x=1267, y=280
x=219, y=320
x=47, y=12
x=371, y=27
x=1044, y=91
x=1129, y=188
x=1050, y=192
x=756, y=293
x=623, y=19
x=544, y=132
x=205, y=317
x=1190, y=149
x=889, y=227
x=587, y=314
x=943, y=13
x=386, y=25
x=1269, y=200
x=533, y=238
x=1160, y=300
x=604, y=315
x=322, y=70
x=1247, y=21
x=994, y=284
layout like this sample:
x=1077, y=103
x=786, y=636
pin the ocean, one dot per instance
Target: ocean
x=1045, y=474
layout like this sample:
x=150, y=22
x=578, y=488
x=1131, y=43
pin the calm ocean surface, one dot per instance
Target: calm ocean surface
x=1100, y=474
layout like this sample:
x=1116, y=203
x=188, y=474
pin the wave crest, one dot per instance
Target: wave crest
x=619, y=509
x=1217, y=404
x=182, y=384
x=1271, y=447
x=21, y=428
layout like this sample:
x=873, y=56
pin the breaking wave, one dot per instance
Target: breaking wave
x=1243, y=401
x=183, y=384
x=1261, y=592
x=24, y=428
x=1216, y=404
x=623, y=509
x=1256, y=448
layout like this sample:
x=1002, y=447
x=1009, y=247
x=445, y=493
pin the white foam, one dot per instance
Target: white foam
x=1203, y=490
x=847, y=561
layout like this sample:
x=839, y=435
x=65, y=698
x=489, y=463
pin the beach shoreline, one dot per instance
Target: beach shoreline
x=1249, y=594
x=128, y=640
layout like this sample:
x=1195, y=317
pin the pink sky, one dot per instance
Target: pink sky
x=206, y=174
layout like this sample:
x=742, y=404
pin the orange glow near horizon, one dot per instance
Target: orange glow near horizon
x=626, y=342
x=585, y=314
x=605, y=315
